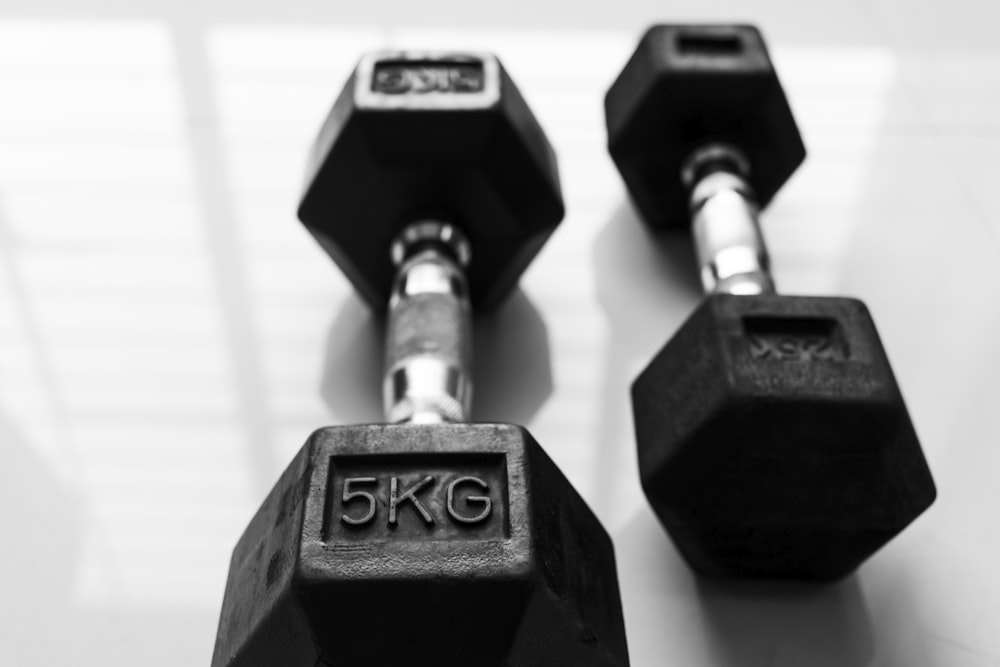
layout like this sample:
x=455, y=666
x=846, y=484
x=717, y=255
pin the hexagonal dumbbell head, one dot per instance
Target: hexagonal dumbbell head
x=687, y=86
x=431, y=135
x=426, y=546
x=773, y=439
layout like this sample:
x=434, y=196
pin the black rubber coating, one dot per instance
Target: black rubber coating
x=426, y=546
x=488, y=169
x=687, y=86
x=773, y=440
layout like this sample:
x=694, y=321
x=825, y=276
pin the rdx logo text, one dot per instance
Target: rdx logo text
x=398, y=79
x=795, y=348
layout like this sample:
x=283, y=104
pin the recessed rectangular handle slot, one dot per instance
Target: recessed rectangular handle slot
x=710, y=45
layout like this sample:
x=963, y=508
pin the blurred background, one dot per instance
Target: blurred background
x=170, y=335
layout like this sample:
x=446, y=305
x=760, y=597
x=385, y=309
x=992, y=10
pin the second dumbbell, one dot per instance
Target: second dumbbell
x=773, y=438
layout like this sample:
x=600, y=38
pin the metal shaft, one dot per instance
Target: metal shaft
x=731, y=252
x=428, y=353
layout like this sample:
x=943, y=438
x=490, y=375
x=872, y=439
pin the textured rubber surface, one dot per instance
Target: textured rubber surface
x=689, y=85
x=773, y=440
x=488, y=168
x=443, y=545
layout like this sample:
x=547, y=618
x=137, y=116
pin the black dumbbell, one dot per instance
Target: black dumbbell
x=424, y=541
x=773, y=439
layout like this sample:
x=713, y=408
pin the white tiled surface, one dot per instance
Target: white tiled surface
x=169, y=334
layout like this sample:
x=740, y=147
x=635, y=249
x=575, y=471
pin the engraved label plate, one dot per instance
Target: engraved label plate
x=401, y=77
x=416, y=497
x=795, y=339
x=427, y=81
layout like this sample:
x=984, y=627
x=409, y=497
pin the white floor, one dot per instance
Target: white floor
x=169, y=334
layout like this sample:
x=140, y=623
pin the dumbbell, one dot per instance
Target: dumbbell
x=773, y=440
x=426, y=541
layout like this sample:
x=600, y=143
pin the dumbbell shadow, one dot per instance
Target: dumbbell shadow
x=646, y=285
x=736, y=623
x=512, y=369
x=750, y=623
x=352, y=370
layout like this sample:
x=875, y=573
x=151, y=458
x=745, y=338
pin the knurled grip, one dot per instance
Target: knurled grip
x=428, y=353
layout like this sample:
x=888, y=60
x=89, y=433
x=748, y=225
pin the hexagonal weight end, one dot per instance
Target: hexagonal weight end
x=426, y=546
x=773, y=440
x=687, y=86
x=432, y=135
